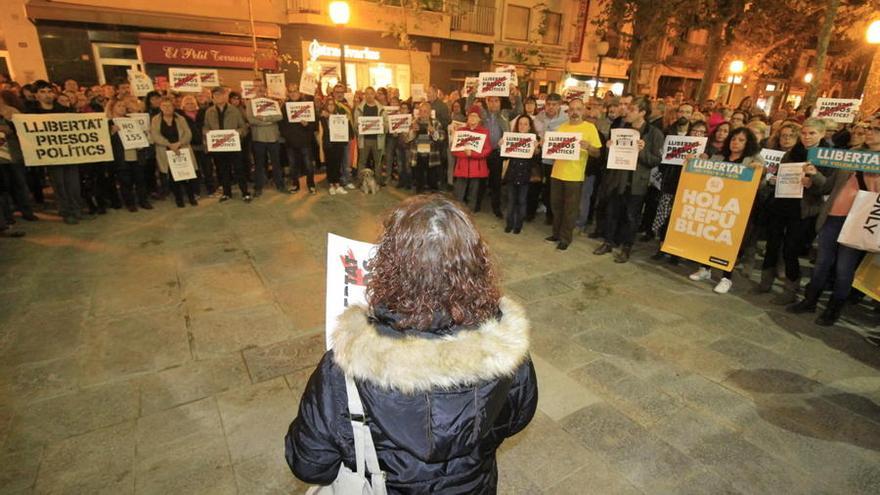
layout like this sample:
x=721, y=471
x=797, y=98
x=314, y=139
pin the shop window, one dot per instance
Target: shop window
x=518, y=18
x=381, y=76
x=552, y=28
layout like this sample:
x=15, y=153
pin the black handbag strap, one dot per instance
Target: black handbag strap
x=860, y=176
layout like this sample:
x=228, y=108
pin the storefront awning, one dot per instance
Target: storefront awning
x=45, y=10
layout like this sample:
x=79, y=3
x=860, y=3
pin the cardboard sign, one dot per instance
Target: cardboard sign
x=579, y=92
x=182, y=164
x=184, y=80
x=710, y=212
x=371, y=125
x=399, y=123
x=840, y=110
x=300, y=111
x=867, y=277
x=143, y=120
x=209, y=78
x=338, y=128
x=509, y=69
x=329, y=71
x=63, y=138
x=417, y=92
x=623, y=149
x=131, y=133
x=467, y=140
x=493, y=84
x=248, y=90
x=141, y=84
x=518, y=145
x=852, y=160
x=561, y=146
x=223, y=140
x=470, y=84
x=348, y=272
x=771, y=159
x=788, y=180
x=276, y=86
x=676, y=148
x=264, y=107
x=308, y=83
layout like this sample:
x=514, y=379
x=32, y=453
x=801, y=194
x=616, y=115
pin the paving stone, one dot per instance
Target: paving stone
x=191, y=381
x=40, y=380
x=35, y=336
x=18, y=471
x=100, y=462
x=592, y=480
x=559, y=395
x=607, y=342
x=601, y=428
x=255, y=416
x=267, y=473
x=539, y=288
x=223, y=287
x=217, y=333
x=284, y=357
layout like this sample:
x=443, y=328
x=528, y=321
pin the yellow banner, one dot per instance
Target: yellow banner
x=867, y=277
x=711, y=211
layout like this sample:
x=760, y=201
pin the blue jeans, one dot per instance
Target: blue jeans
x=843, y=260
x=586, y=196
x=516, y=205
x=273, y=150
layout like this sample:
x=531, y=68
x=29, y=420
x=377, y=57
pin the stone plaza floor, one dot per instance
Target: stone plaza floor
x=164, y=352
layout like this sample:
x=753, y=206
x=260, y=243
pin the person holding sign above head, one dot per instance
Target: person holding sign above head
x=521, y=173
x=425, y=139
x=333, y=137
x=224, y=115
x=129, y=170
x=170, y=132
x=836, y=262
x=471, y=166
x=439, y=359
x=567, y=176
x=626, y=189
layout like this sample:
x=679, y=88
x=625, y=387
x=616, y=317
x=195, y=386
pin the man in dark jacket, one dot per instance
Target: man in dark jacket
x=299, y=141
x=627, y=189
x=435, y=422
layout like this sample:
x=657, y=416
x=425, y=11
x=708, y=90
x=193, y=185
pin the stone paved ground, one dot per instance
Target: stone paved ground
x=164, y=352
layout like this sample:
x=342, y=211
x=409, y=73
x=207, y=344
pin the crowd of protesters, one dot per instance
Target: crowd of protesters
x=617, y=207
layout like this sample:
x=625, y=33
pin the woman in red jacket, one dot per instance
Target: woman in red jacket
x=470, y=166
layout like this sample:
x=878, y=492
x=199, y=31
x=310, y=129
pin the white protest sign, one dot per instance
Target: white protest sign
x=840, y=110
x=349, y=98
x=223, y=140
x=276, y=86
x=63, y=138
x=248, y=90
x=143, y=120
x=300, y=111
x=329, y=71
x=539, y=105
x=510, y=69
x=131, y=133
x=493, y=84
x=771, y=159
x=371, y=125
x=579, y=92
x=399, y=123
x=182, y=164
x=470, y=84
x=348, y=271
x=141, y=84
x=623, y=149
x=466, y=140
x=264, y=107
x=209, y=78
x=417, y=92
x=184, y=80
x=5, y=152
x=561, y=146
x=676, y=148
x=308, y=83
x=788, y=180
x=338, y=128
x=518, y=145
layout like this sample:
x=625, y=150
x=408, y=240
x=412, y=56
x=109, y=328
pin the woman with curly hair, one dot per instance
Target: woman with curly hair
x=438, y=357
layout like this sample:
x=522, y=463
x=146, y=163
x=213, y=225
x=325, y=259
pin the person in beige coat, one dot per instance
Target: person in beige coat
x=222, y=115
x=171, y=133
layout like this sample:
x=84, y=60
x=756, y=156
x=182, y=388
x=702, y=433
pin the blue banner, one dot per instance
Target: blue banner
x=725, y=170
x=853, y=160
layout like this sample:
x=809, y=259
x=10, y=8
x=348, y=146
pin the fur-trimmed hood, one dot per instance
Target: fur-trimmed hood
x=411, y=364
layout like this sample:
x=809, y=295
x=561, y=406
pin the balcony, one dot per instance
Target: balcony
x=476, y=19
x=688, y=55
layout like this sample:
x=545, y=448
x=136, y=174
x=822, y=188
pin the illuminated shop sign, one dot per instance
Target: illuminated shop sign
x=317, y=50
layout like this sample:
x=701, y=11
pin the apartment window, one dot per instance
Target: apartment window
x=518, y=22
x=553, y=28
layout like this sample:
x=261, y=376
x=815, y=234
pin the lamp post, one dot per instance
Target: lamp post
x=340, y=15
x=872, y=36
x=737, y=67
x=601, y=50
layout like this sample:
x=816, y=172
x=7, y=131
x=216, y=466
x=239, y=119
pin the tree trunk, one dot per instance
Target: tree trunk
x=635, y=67
x=821, y=52
x=713, y=61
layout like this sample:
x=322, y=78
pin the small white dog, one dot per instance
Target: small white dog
x=368, y=182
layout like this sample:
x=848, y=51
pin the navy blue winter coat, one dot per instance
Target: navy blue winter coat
x=438, y=403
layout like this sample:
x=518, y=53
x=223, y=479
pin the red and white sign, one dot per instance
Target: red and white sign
x=579, y=92
x=399, y=123
x=510, y=69
x=223, y=140
x=300, y=111
x=370, y=125
x=308, y=83
x=493, y=84
x=209, y=77
x=182, y=164
x=676, y=148
x=467, y=140
x=348, y=271
x=518, y=145
x=470, y=84
x=561, y=146
x=248, y=90
x=184, y=80
x=265, y=107
x=840, y=110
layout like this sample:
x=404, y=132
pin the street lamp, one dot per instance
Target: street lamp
x=808, y=77
x=872, y=36
x=340, y=15
x=601, y=50
x=736, y=68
